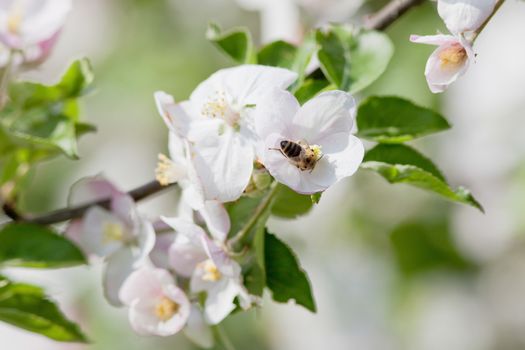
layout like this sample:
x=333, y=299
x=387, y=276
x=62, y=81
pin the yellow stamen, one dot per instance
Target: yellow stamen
x=452, y=56
x=166, y=308
x=212, y=273
x=317, y=151
x=218, y=107
x=14, y=18
x=112, y=232
x=164, y=171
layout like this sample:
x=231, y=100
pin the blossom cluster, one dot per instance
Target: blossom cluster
x=454, y=54
x=237, y=124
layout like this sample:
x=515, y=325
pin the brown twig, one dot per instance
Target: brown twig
x=77, y=211
x=389, y=14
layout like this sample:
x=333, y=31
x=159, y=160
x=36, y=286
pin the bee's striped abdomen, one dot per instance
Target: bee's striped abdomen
x=290, y=148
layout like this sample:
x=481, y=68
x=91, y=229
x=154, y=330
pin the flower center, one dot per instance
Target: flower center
x=166, y=308
x=14, y=18
x=167, y=172
x=452, y=56
x=211, y=272
x=218, y=107
x=112, y=232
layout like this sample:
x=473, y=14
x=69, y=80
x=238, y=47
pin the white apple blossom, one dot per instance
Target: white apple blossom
x=217, y=120
x=156, y=305
x=462, y=16
x=180, y=168
x=324, y=123
x=448, y=62
x=31, y=27
x=206, y=261
x=118, y=234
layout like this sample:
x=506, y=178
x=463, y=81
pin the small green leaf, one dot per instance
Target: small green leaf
x=284, y=276
x=352, y=59
x=402, y=164
x=290, y=204
x=235, y=42
x=316, y=197
x=310, y=88
x=395, y=120
x=30, y=245
x=27, y=307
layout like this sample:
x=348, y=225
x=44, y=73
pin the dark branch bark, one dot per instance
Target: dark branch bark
x=390, y=13
x=77, y=211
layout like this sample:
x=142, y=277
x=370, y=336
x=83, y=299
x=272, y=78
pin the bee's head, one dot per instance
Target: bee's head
x=283, y=143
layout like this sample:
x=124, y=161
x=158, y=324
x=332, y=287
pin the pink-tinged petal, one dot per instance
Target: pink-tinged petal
x=144, y=283
x=220, y=301
x=186, y=228
x=275, y=113
x=123, y=206
x=197, y=330
x=118, y=267
x=244, y=84
x=102, y=232
x=440, y=74
x=157, y=306
x=327, y=113
x=160, y=254
x=465, y=15
x=437, y=40
x=74, y=232
x=224, y=167
x=39, y=21
x=175, y=117
x=228, y=267
x=145, y=239
x=184, y=255
x=217, y=219
x=91, y=189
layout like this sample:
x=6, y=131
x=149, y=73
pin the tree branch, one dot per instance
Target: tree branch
x=77, y=211
x=389, y=14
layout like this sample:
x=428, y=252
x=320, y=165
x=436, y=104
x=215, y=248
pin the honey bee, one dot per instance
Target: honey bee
x=300, y=154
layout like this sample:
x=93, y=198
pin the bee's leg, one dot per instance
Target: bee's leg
x=278, y=149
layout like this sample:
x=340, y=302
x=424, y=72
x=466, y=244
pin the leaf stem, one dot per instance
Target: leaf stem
x=222, y=338
x=259, y=211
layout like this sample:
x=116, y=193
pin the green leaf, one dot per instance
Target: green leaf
x=290, y=204
x=44, y=118
x=396, y=120
x=235, y=42
x=30, y=245
x=353, y=59
x=310, y=88
x=316, y=197
x=284, y=277
x=27, y=307
x=285, y=55
x=74, y=83
x=402, y=164
x=425, y=246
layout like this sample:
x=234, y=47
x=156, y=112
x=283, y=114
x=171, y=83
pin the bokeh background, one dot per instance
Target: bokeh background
x=392, y=267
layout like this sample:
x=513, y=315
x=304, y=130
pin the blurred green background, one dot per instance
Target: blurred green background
x=392, y=267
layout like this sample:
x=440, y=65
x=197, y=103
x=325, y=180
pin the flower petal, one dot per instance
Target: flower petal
x=184, y=255
x=175, y=117
x=224, y=167
x=245, y=84
x=437, y=40
x=220, y=301
x=217, y=219
x=327, y=113
x=93, y=239
x=118, y=267
x=465, y=15
x=160, y=254
x=197, y=330
x=275, y=113
x=144, y=283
